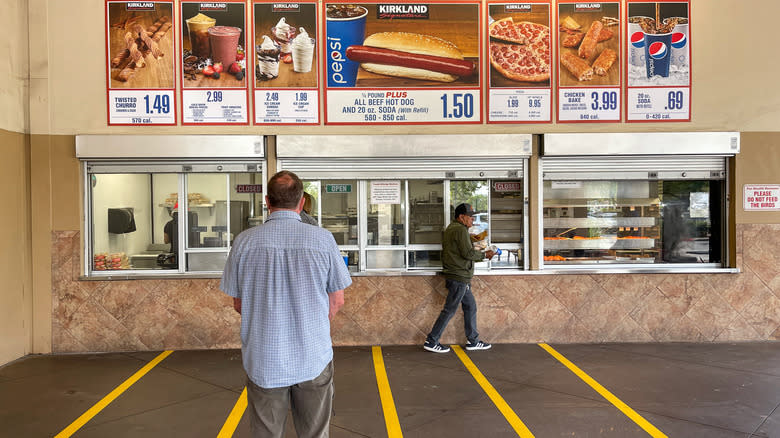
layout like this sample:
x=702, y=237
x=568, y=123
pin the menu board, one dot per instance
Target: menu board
x=520, y=59
x=213, y=63
x=285, y=81
x=139, y=65
x=402, y=63
x=589, y=87
x=658, y=61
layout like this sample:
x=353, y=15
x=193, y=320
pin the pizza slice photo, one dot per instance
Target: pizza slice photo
x=519, y=51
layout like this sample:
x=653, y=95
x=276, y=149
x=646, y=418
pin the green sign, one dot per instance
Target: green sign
x=338, y=188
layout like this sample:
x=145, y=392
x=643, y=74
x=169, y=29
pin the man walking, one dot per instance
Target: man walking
x=458, y=257
x=287, y=280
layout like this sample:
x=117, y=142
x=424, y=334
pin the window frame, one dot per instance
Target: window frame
x=182, y=169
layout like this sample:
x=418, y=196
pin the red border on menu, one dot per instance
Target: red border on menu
x=247, y=53
x=551, y=88
x=108, y=70
x=480, y=87
x=558, y=86
x=320, y=65
x=627, y=45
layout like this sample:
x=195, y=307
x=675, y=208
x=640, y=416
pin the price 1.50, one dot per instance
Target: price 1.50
x=607, y=100
x=160, y=104
x=462, y=105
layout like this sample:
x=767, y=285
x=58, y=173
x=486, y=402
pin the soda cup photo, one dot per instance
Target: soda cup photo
x=680, y=49
x=345, y=26
x=658, y=54
x=636, y=40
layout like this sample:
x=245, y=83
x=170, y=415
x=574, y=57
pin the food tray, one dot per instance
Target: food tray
x=599, y=244
x=598, y=222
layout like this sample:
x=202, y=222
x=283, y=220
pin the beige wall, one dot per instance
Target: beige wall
x=759, y=163
x=14, y=90
x=734, y=73
x=15, y=280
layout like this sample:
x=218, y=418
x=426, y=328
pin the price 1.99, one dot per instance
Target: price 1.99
x=161, y=104
x=607, y=100
x=462, y=105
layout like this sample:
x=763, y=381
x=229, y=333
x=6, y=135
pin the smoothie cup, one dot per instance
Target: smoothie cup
x=198, y=27
x=224, y=44
x=342, y=32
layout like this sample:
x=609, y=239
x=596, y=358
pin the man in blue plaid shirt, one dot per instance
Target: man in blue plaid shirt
x=287, y=280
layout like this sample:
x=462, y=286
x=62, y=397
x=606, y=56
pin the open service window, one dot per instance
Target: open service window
x=388, y=199
x=161, y=215
x=627, y=209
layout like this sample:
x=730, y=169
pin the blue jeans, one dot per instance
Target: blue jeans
x=459, y=293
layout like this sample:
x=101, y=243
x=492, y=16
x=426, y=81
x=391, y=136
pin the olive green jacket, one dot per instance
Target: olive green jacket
x=458, y=255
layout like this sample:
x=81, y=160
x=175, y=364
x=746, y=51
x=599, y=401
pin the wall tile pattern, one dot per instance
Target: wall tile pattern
x=195, y=314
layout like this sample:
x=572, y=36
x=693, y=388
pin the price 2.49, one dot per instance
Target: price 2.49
x=607, y=100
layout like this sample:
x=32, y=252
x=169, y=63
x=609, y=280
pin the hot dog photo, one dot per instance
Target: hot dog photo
x=398, y=45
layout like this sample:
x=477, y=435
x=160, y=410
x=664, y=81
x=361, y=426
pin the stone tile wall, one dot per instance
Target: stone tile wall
x=194, y=314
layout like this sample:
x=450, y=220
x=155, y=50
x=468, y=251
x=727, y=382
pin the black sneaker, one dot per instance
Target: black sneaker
x=435, y=347
x=479, y=345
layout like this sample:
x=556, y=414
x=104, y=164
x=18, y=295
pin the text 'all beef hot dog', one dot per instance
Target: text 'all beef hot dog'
x=411, y=55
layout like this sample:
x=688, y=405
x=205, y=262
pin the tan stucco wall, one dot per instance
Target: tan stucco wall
x=15, y=260
x=733, y=76
x=734, y=73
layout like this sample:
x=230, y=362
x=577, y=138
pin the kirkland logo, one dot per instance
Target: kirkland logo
x=587, y=6
x=140, y=6
x=386, y=12
x=285, y=7
x=518, y=7
x=213, y=7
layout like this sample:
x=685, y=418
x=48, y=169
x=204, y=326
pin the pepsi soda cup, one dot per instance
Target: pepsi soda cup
x=345, y=26
x=658, y=54
x=636, y=41
x=680, y=48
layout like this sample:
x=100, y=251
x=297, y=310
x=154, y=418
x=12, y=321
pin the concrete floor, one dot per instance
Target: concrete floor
x=683, y=390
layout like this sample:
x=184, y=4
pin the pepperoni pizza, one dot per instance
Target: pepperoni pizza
x=529, y=59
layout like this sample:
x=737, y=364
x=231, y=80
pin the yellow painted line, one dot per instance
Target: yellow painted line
x=509, y=414
x=99, y=406
x=630, y=413
x=235, y=416
x=385, y=395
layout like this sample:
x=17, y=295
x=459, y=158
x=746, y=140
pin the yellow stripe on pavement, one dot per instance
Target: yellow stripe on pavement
x=502, y=406
x=99, y=406
x=385, y=395
x=235, y=416
x=630, y=413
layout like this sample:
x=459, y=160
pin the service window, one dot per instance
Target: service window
x=168, y=217
x=633, y=222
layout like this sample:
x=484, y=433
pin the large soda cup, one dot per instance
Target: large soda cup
x=680, y=49
x=636, y=41
x=658, y=54
x=345, y=26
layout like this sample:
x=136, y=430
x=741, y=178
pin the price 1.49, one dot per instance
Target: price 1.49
x=462, y=106
x=607, y=100
x=161, y=104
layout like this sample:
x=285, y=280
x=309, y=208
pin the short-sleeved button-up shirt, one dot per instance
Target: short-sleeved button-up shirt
x=283, y=272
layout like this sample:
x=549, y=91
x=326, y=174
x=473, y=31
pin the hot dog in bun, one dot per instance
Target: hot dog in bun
x=411, y=55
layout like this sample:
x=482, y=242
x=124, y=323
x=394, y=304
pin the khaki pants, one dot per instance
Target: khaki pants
x=311, y=403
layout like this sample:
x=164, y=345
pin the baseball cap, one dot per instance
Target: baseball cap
x=464, y=209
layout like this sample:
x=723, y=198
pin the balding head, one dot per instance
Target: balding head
x=284, y=191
